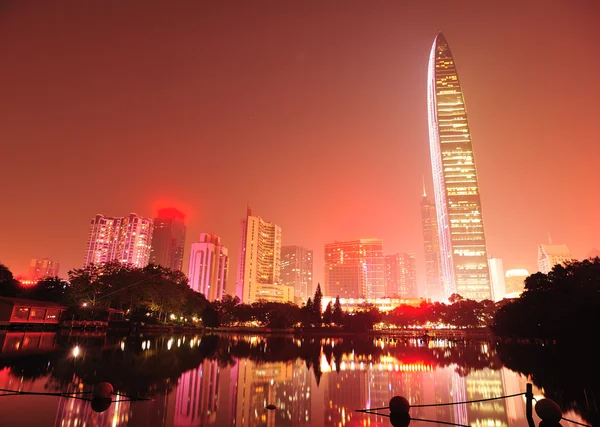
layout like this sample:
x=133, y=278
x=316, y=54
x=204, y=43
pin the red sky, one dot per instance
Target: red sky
x=313, y=112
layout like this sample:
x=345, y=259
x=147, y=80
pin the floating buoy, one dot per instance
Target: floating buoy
x=100, y=404
x=271, y=407
x=102, y=390
x=548, y=410
x=400, y=419
x=399, y=404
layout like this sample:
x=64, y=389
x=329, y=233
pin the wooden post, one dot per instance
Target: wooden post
x=529, y=405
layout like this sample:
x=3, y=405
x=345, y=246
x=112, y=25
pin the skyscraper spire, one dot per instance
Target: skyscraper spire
x=424, y=192
x=458, y=206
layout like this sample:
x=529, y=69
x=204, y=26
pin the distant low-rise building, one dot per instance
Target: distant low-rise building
x=382, y=304
x=515, y=281
x=40, y=268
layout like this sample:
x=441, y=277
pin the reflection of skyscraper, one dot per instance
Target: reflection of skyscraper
x=197, y=396
x=458, y=206
x=168, y=239
x=286, y=385
x=434, y=289
x=484, y=384
x=296, y=271
x=73, y=412
x=355, y=269
x=208, y=267
x=401, y=275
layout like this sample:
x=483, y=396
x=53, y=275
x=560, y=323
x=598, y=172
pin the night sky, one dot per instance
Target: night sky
x=312, y=112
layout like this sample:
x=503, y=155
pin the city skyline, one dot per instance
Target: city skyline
x=318, y=104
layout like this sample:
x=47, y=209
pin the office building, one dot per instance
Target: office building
x=296, y=271
x=124, y=239
x=463, y=253
x=40, y=268
x=355, y=269
x=401, y=275
x=209, y=266
x=497, y=279
x=259, y=266
x=168, y=239
x=434, y=290
x=551, y=255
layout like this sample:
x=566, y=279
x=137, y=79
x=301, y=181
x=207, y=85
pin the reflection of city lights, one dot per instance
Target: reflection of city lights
x=169, y=344
x=122, y=345
x=76, y=351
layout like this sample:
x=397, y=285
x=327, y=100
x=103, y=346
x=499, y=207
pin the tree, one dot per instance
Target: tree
x=454, y=298
x=317, y=305
x=52, y=289
x=328, y=314
x=338, y=315
x=560, y=305
x=9, y=286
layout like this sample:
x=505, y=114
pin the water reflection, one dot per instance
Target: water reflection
x=229, y=380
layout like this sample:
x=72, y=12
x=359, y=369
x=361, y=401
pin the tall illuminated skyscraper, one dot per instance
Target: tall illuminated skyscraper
x=125, y=239
x=355, y=269
x=434, y=290
x=209, y=265
x=259, y=265
x=463, y=253
x=168, y=239
x=296, y=271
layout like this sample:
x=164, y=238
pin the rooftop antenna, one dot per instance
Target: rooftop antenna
x=424, y=192
x=549, y=239
x=248, y=210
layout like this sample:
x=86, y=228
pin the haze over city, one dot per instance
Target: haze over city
x=314, y=115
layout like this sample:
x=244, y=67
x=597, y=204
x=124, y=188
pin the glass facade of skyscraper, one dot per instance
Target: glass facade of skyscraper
x=458, y=206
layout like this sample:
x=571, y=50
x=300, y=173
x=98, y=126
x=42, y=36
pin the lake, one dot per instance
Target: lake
x=226, y=380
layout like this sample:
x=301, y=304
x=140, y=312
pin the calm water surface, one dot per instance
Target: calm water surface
x=228, y=380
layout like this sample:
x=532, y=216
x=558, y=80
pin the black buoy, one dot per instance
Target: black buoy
x=400, y=419
x=399, y=407
x=271, y=407
x=549, y=412
x=100, y=404
x=399, y=404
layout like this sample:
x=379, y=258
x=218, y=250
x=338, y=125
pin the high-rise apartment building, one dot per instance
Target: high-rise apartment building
x=40, y=268
x=401, y=275
x=259, y=265
x=296, y=271
x=355, y=269
x=168, y=239
x=551, y=255
x=497, y=279
x=434, y=290
x=463, y=253
x=124, y=239
x=209, y=266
